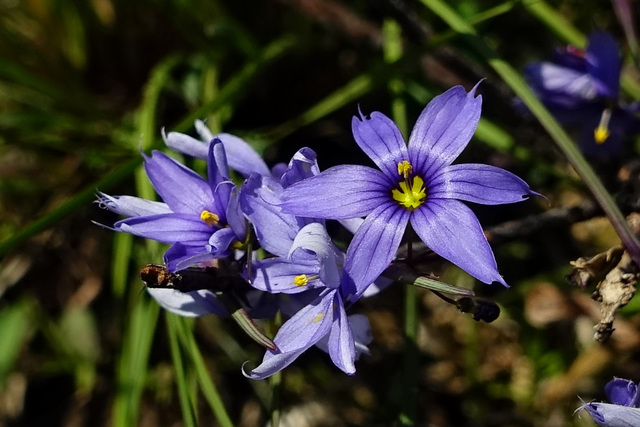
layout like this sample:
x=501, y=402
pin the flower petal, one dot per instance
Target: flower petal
x=259, y=200
x=180, y=256
x=444, y=129
x=167, y=228
x=296, y=335
x=132, y=206
x=340, y=192
x=186, y=144
x=373, y=248
x=477, y=183
x=240, y=155
x=188, y=304
x=181, y=188
x=610, y=415
x=341, y=346
x=624, y=392
x=451, y=230
x=314, y=238
x=303, y=165
x=603, y=63
x=381, y=140
x=277, y=275
x=560, y=86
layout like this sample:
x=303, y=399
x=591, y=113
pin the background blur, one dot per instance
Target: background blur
x=86, y=85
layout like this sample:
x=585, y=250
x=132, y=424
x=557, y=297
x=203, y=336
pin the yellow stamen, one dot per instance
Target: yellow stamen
x=601, y=133
x=209, y=218
x=318, y=318
x=404, y=169
x=300, y=280
x=410, y=196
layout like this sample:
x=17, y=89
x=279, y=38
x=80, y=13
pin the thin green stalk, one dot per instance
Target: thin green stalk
x=392, y=50
x=188, y=410
x=566, y=145
x=209, y=390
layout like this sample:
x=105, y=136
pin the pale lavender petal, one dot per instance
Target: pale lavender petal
x=218, y=174
x=131, y=206
x=381, y=140
x=341, y=346
x=451, y=229
x=186, y=144
x=560, y=85
x=277, y=275
x=340, y=192
x=373, y=248
x=610, y=415
x=296, y=335
x=188, y=304
x=167, y=228
x=444, y=129
x=314, y=238
x=181, y=188
x=259, y=200
x=351, y=224
x=479, y=183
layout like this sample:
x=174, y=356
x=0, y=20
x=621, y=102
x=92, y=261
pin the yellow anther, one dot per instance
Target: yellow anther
x=601, y=133
x=300, y=280
x=318, y=318
x=209, y=218
x=410, y=197
x=404, y=169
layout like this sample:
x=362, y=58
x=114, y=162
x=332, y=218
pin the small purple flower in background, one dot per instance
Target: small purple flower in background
x=200, y=218
x=624, y=409
x=581, y=89
x=416, y=183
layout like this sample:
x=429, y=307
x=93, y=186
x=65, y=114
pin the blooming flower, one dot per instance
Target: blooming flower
x=581, y=89
x=416, y=183
x=624, y=409
x=323, y=320
x=200, y=218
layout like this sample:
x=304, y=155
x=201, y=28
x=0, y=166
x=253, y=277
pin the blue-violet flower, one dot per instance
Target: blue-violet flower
x=416, y=183
x=624, y=409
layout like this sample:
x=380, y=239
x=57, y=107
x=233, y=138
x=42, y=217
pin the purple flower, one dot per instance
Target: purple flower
x=200, y=218
x=624, y=409
x=581, y=89
x=312, y=267
x=416, y=184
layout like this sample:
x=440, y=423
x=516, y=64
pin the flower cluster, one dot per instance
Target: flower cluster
x=581, y=88
x=624, y=409
x=306, y=276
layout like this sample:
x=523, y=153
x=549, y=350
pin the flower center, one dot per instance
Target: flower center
x=411, y=193
x=601, y=133
x=210, y=218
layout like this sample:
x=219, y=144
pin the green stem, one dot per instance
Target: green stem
x=566, y=145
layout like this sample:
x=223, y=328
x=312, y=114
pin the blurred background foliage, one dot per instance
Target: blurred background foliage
x=86, y=85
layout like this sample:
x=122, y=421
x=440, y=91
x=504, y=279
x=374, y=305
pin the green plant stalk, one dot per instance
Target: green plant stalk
x=392, y=50
x=566, y=145
x=188, y=416
x=209, y=390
